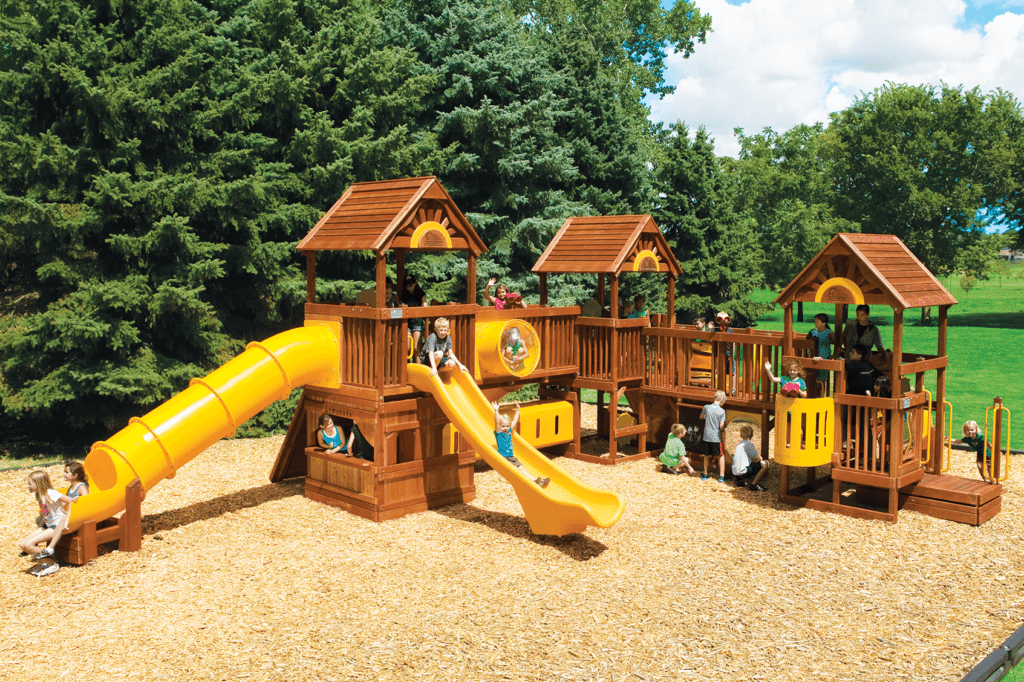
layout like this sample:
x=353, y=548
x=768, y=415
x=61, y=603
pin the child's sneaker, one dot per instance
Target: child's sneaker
x=48, y=569
x=758, y=487
x=721, y=480
x=703, y=477
x=46, y=551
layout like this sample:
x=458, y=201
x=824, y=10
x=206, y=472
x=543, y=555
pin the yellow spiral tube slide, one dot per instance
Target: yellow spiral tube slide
x=155, y=446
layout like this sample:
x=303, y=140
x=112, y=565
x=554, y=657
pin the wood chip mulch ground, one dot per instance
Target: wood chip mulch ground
x=239, y=579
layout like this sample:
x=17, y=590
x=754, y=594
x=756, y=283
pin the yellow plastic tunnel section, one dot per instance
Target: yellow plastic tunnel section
x=155, y=446
x=803, y=431
x=505, y=347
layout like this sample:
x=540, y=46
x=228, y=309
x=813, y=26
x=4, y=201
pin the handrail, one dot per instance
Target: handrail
x=926, y=416
x=948, y=438
x=990, y=462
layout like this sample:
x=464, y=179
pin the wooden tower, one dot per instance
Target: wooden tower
x=886, y=447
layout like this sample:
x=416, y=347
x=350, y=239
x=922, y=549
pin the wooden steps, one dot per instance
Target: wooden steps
x=951, y=498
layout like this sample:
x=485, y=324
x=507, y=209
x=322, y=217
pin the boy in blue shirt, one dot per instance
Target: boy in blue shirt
x=503, y=434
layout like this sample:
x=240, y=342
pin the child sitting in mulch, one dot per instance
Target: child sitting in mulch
x=747, y=465
x=673, y=458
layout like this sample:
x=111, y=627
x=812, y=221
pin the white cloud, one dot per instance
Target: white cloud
x=779, y=63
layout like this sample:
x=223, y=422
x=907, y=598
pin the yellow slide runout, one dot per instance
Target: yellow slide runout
x=154, y=447
x=565, y=506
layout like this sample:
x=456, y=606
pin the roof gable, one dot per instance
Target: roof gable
x=880, y=266
x=410, y=213
x=610, y=245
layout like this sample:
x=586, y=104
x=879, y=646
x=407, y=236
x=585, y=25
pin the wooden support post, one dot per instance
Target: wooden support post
x=543, y=288
x=471, y=279
x=671, y=300
x=131, y=519
x=614, y=303
x=935, y=466
x=787, y=330
x=600, y=290
x=897, y=352
x=382, y=276
x=89, y=546
x=311, y=277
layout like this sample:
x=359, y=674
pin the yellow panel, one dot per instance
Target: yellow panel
x=803, y=431
x=330, y=378
x=827, y=292
x=547, y=423
x=431, y=235
x=506, y=347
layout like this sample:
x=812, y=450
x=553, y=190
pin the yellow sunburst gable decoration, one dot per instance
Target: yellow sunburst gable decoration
x=839, y=290
x=646, y=261
x=431, y=235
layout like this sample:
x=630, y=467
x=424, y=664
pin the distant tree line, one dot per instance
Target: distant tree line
x=160, y=160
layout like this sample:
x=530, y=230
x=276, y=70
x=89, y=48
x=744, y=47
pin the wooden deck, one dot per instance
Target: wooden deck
x=951, y=498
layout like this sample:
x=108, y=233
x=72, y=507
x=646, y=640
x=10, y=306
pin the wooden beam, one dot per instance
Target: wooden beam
x=382, y=275
x=671, y=300
x=471, y=279
x=311, y=277
x=543, y=288
x=615, y=301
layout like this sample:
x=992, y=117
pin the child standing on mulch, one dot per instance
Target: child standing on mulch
x=714, y=425
x=53, y=514
x=673, y=457
x=503, y=435
x=747, y=465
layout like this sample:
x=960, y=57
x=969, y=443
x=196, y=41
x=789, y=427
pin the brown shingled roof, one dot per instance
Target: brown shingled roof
x=608, y=244
x=882, y=267
x=384, y=215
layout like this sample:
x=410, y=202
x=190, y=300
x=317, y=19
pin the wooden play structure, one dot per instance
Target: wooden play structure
x=889, y=450
x=611, y=350
x=420, y=435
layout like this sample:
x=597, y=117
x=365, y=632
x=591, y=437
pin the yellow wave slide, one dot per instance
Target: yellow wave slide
x=565, y=506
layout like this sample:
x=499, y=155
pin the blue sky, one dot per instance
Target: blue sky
x=779, y=63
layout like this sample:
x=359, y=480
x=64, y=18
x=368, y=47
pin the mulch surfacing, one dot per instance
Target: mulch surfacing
x=239, y=579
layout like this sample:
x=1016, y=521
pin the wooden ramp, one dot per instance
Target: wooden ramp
x=951, y=498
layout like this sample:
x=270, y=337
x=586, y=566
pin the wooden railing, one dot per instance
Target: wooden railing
x=883, y=436
x=610, y=351
x=374, y=341
x=686, y=358
x=556, y=329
